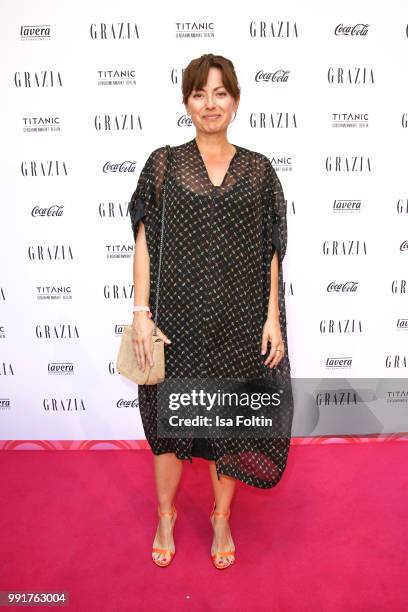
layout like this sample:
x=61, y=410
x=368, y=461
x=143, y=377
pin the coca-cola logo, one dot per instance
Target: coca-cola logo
x=184, y=120
x=359, y=29
x=125, y=166
x=122, y=403
x=274, y=77
x=404, y=245
x=51, y=211
x=347, y=287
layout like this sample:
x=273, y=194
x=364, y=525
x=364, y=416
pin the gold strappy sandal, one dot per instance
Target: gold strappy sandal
x=165, y=551
x=228, y=553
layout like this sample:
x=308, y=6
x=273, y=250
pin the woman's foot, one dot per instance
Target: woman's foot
x=163, y=544
x=222, y=549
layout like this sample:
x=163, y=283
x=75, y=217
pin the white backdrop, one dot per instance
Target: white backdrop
x=89, y=89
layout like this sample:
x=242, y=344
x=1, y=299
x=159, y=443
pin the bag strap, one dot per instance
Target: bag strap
x=168, y=158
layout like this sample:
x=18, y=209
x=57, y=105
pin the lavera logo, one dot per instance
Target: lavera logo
x=61, y=368
x=35, y=32
x=359, y=29
x=55, y=210
x=124, y=166
x=339, y=363
x=279, y=76
x=347, y=206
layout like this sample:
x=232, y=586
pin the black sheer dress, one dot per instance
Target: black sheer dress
x=214, y=291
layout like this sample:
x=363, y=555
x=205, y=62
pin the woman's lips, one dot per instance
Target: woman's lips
x=211, y=116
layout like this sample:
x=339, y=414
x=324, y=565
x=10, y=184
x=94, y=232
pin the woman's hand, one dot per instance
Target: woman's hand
x=272, y=333
x=142, y=328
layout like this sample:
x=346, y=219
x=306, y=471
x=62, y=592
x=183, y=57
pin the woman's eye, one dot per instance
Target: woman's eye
x=220, y=93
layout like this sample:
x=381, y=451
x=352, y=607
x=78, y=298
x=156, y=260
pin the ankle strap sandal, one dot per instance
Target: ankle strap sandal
x=226, y=553
x=166, y=551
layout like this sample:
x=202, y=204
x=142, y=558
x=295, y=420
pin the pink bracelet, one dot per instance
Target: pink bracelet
x=143, y=308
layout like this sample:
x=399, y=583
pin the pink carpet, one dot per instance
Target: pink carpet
x=332, y=536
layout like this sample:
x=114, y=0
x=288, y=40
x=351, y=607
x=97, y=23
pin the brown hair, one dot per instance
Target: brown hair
x=196, y=74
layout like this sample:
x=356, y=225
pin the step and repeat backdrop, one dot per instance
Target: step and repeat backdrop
x=90, y=89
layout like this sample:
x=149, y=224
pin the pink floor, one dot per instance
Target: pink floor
x=332, y=536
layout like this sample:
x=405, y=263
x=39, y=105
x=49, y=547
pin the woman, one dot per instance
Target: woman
x=221, y=298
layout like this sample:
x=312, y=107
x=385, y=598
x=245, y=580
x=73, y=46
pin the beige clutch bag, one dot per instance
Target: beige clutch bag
x=126, y=363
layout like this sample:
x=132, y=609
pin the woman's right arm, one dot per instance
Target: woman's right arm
x=142, y=324
x=146, y=225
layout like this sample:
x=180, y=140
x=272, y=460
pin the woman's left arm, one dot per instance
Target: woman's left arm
x=276, y=244
x=271, y=330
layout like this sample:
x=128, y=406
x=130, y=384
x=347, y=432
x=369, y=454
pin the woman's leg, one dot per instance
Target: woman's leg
x=167, y=469
x=223, y=493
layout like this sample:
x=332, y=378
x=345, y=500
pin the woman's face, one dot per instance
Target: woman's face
x=212, y=107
